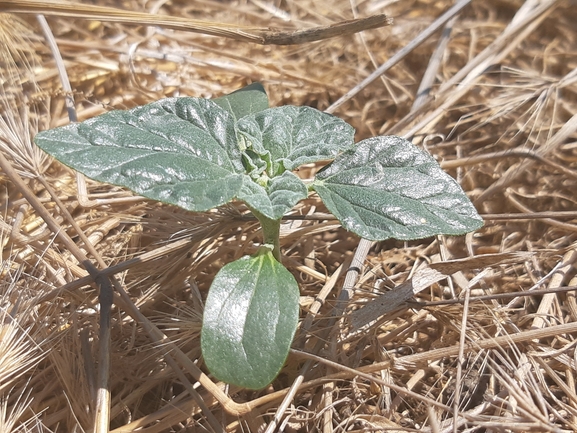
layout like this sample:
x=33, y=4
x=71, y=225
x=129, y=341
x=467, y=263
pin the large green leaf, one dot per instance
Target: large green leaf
x=275, y=199
x=182, y=151
x=287, y=137
x=248, y=100
x=388, y=188
x=250, y=318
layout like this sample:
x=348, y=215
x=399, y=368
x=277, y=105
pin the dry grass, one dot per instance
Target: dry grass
x=472, y=352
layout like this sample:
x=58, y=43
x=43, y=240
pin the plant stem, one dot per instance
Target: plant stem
x=270, y=233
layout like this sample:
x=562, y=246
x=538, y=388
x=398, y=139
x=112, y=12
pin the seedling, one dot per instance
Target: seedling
x=198, y=154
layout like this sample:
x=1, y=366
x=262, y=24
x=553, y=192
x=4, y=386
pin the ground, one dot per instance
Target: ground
x=489, y=347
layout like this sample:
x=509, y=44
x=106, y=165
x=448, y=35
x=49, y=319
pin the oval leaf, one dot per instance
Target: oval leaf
x=277, y=198
x=291, y=136
x=388, y=188
x=250, y=318
x=248, y=100
x=182, y=151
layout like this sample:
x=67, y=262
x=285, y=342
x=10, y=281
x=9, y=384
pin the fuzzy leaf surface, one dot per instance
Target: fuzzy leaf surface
x=248, y=100
x=288, y=136
x=181, y=151
x=250, y=318
x=277, y=198
x=388, y=188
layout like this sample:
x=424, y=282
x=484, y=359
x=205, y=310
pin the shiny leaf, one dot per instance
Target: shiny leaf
x=182, y=151
x=250, y=318
x=248, y=100
x=388, y=188
x=287, y=137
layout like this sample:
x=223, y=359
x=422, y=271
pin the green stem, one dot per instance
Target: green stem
x=270, y=233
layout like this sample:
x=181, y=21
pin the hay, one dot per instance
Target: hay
x=490, y=348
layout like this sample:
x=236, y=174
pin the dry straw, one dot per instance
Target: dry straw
x=474, y=333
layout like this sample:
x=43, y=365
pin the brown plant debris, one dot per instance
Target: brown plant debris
x=474, y=333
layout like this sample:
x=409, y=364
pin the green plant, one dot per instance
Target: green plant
x=198, y=154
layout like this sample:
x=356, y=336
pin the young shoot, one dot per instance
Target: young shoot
x=199, y=154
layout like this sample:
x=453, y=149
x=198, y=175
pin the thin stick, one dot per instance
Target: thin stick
x=434, y=64
x=565, y=289
x=461, y=358
x=557, y=279
x=351, y=278
x=425, y=35
x=68, y=96
x=257, y=35
x=290, y=395
x=530, y=215
x=520, y=153
x=527, y=210
x=105, y=296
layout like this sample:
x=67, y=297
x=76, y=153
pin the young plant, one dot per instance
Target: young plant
x=198, y=154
